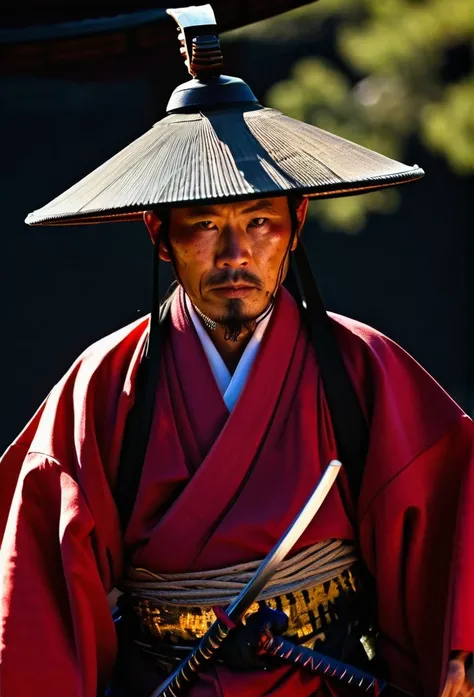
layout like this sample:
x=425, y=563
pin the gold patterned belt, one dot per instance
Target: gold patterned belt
x=309, y=612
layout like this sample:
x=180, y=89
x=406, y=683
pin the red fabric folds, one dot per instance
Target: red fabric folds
x=219, y=489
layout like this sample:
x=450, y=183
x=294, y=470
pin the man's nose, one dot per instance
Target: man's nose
x=234, y=249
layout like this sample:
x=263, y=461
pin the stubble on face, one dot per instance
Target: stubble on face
x=231, y=258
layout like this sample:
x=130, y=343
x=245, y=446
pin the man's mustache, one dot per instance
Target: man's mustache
x=230, y=277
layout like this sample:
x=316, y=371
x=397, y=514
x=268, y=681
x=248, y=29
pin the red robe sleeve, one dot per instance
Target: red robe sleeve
x=413, y=539
x=57, y=637
x=415, y=513
x=10, y=466
x=61, y=551
x=462, y=626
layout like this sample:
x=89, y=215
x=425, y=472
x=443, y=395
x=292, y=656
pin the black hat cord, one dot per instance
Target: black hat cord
x=348, y=420
x=139, y=421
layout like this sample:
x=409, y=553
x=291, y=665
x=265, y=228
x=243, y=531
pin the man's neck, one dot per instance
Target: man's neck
x=230, y=351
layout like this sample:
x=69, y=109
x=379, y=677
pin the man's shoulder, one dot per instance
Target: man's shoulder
x=121, y=341
x=104, y=364
x=361, y=334
x=355, y=326
x=373, y=358
x=90, y=391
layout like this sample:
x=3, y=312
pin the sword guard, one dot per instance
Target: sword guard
x=223, y=617
x=265, y=641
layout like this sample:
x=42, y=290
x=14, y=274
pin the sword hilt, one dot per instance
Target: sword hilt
x=317, y=663
x=187, y=673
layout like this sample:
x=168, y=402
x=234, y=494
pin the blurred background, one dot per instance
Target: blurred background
x=397, y=76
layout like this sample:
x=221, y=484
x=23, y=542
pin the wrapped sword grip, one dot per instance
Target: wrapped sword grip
x=184, y=676
x=318, y=663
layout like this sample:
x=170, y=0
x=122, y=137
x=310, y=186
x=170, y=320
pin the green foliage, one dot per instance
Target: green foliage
x=392, y=85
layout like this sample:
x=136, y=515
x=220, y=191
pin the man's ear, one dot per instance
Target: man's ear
x=301, y=212
x=153, y=224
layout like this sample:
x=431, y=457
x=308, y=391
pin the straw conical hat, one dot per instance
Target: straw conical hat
x=218, y=144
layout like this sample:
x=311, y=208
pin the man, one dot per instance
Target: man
x=241, y=429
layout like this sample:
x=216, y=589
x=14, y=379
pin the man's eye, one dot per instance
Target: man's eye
x=259, y=222
x=206, y=224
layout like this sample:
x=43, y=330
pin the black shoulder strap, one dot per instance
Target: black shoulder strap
x=139, y=420
x=348, y=420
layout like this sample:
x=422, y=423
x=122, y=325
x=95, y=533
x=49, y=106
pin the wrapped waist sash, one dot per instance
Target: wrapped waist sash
x=313, y=588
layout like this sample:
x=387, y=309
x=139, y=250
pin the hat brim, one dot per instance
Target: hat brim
x=220, y=157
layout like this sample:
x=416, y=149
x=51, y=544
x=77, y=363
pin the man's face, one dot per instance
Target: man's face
x=231, y=257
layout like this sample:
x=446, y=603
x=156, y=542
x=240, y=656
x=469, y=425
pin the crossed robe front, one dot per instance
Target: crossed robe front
x=219, y=489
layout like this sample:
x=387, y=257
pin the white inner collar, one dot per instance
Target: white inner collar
x=230, y=386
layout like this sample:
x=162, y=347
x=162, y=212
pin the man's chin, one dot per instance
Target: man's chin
x=237, y=310
x=235, y=321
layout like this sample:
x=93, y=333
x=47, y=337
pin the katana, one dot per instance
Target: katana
x=318, y=663
x=187, y=672
x=315, y=662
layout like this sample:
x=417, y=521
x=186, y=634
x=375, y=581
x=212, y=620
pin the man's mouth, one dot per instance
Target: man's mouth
x=234, y=290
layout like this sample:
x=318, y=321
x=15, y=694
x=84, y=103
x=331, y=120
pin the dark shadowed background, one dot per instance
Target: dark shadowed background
x=73, y=94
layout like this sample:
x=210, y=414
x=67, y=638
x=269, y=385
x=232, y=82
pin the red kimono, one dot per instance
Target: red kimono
x=219, y=489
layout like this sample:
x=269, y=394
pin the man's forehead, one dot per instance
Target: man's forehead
x=275, y=205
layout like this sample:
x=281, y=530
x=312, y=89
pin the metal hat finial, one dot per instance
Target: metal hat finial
x=199, y=38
